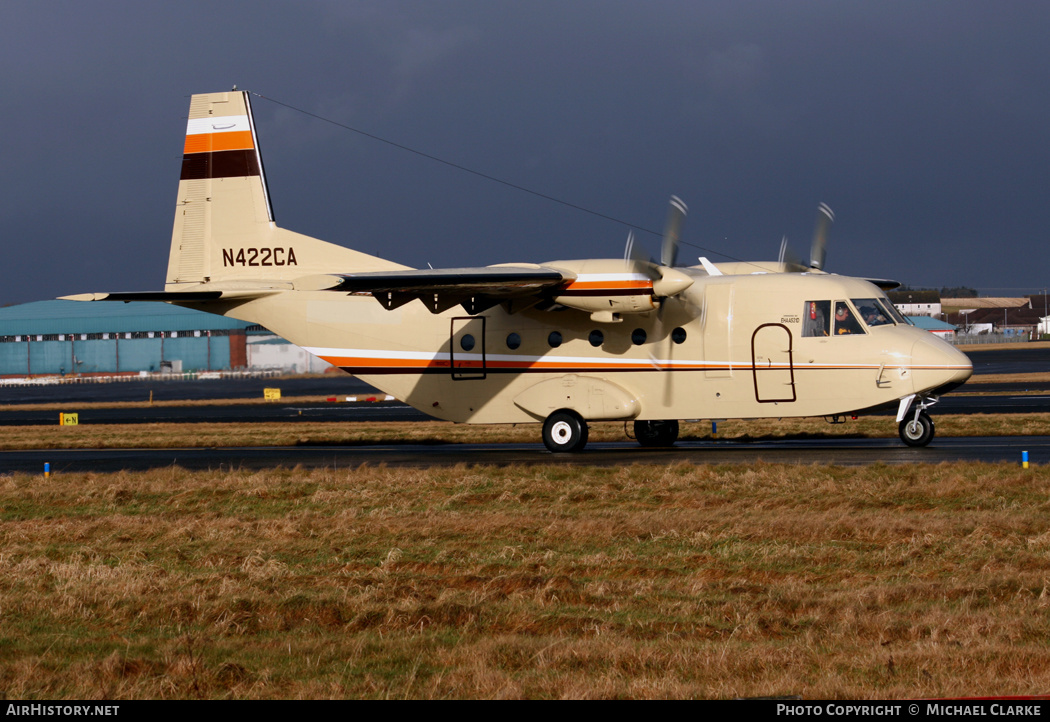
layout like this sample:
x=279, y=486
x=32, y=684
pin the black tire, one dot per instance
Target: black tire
x=564, y=432
x=656, y=433
x=916, y=431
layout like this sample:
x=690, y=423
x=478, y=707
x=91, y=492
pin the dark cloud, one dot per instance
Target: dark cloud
x=921, y=124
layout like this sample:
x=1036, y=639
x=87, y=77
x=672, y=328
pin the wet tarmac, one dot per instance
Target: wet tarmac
x=835, y=450
x=841, y=451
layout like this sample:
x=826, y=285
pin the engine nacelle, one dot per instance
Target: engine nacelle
x=612, y=293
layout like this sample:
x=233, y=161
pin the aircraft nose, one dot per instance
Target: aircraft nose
x=938, y=366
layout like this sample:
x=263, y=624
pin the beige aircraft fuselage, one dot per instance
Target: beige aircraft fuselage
x=743, y=355
x=600, y=339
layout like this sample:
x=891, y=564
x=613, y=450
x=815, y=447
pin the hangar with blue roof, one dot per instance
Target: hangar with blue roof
x=70, y=337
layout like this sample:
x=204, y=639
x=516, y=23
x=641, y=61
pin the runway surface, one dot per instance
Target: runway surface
x=1022, y=360
x=837, y=450
x=847, y=452
x=396, y=411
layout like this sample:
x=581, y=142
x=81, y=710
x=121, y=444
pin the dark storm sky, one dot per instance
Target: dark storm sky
x=924, y=125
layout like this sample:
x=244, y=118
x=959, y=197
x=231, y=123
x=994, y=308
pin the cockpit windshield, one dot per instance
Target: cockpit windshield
x=896, y=315
x=818, y=319
x=872, y=312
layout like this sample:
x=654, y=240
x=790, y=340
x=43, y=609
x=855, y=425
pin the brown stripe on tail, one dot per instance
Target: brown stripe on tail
x=223, y=164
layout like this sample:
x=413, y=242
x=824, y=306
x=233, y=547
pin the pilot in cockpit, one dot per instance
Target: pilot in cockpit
x=845, y=323
x=871, y=316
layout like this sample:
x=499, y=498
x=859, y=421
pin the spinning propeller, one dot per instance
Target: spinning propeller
x=818, y=250
x=668, y=283
x=666, y=280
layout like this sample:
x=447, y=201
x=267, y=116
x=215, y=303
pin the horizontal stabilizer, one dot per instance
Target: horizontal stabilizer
x=166, y=296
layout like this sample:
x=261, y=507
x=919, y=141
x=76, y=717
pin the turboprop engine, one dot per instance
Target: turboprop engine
x=609, y=288
x=605, y=289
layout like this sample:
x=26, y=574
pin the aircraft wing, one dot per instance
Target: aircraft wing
x=440, y=289
x=884, y=283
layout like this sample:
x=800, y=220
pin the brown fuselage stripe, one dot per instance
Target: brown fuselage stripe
x=221, y=164
x=399, y=366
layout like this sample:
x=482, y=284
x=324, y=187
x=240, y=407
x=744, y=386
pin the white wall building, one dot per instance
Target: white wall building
x=274, y=353
x=919, y=309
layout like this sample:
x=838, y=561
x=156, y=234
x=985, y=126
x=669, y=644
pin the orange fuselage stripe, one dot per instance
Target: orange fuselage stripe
x=406, y=364
x=607, y=285
x=342, y=361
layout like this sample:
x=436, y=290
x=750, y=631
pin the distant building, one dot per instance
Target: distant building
x=1004, y=316
x=917, y=303
x=71, y=337
x=273, y=352
x=938, y=328
x=954, y=304
x=1041, y=305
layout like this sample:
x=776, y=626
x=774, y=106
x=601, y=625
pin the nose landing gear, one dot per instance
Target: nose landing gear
x=915, y=426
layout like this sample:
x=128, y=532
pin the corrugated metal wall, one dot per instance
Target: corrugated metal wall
x=63, y=338
x=204, y=353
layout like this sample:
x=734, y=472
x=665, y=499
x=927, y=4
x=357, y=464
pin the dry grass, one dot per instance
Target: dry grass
x=1027, y=378
x=647, y=581
x=968, y=347
x=176, y=435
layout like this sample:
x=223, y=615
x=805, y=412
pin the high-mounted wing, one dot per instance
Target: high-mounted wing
x=477, y=289
x=885, y=284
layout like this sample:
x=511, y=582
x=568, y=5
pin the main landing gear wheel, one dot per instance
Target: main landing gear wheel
x=564, y=432
x=916, y=430
x=656, y=433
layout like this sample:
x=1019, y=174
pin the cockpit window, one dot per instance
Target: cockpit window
x=894, y=313
x=816, y=318
x=872, y=312
x=845, y=322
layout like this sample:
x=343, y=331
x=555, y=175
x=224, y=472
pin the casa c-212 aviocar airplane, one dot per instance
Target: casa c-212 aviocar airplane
x=560, y=344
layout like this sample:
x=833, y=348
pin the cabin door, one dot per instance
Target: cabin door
x=467, y=348
x=772, y=364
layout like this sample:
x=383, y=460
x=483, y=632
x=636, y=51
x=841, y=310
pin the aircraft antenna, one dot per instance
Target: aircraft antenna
x=494, y=179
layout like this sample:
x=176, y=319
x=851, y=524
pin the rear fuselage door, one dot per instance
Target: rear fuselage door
x=467, y=348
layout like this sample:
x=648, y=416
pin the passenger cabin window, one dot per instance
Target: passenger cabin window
x=845, y=322
x=816, y=318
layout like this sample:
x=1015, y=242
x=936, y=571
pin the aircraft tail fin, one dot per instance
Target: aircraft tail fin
x=224, y=226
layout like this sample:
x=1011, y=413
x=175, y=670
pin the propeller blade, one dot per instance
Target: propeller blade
x=819, y=249
x=633, y=254
x=628, y=251
x=675, y=215
x=787, y=259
